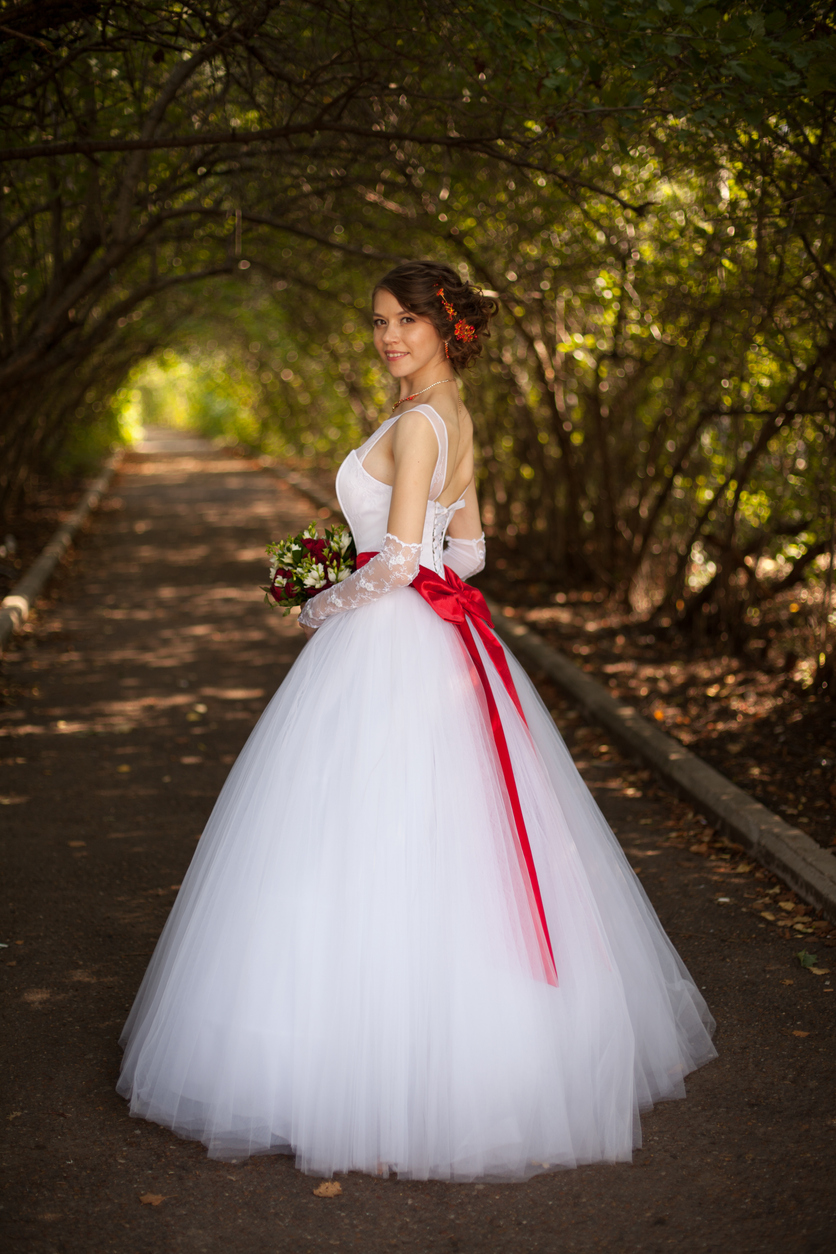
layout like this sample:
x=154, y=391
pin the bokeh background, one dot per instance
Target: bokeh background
x=197, y=198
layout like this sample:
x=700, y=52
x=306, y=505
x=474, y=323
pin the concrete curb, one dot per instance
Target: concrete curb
x=15, y=608
x=790, y=853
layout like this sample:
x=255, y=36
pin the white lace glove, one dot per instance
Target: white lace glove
x=395, y=566
x=465, y=557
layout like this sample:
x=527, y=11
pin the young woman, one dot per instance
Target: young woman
x=408, y=939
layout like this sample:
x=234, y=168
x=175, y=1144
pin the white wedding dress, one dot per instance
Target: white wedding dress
x=347, y=971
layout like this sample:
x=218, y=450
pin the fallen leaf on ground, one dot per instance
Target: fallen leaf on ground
x=807, y=960
x=796, y=1033
x=819, y=970
x=788, y=981
x=328, y=1188
x=151, y=1199
x=767, y=914
x=15, y=1114
x=76, y=844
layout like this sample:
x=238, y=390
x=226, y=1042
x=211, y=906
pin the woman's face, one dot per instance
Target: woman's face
x=407, y=342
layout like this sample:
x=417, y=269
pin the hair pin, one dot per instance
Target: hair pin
x=462, y=330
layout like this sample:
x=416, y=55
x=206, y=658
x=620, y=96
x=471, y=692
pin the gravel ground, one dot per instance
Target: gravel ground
x=125, y=703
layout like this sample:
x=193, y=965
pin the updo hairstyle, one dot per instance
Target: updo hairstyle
x=415, y=284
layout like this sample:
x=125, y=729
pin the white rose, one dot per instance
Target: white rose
x=315, y=577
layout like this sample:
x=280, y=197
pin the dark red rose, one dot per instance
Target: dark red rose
x=315, y=546
x=283, y=586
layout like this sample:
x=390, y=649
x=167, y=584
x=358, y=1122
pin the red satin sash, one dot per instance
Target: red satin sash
x=465, y=607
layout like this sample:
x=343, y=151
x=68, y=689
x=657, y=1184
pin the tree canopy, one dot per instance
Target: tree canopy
x=647, y=188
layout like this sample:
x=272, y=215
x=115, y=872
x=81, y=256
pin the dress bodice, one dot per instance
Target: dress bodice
x=365, y=501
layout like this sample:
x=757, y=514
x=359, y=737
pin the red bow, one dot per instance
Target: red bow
x=465, y=607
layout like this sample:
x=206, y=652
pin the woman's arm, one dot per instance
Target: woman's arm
x=415, y=453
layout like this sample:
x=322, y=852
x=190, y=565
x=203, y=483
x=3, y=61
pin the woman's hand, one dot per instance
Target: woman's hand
x=309, y=631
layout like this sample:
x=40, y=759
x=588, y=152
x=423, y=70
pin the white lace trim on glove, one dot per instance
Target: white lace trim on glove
x=465, y=557
x=395, y=566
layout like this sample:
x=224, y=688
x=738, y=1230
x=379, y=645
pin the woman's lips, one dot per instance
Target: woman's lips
x=394, y=356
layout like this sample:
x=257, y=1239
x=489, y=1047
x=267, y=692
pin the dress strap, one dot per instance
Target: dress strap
x=437, y=423
x=366, y=447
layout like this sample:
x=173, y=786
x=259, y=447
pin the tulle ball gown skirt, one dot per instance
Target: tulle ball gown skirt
x=350, y=972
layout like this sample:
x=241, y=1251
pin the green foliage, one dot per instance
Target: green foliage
x=83, y=451
x=712, y=66
x=645, y=187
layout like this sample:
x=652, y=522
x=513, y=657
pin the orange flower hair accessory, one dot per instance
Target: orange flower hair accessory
x=462, y=330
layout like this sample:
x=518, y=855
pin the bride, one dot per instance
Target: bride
x=408, y=940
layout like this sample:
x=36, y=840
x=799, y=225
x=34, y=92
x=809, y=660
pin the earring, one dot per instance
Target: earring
x=446, y=349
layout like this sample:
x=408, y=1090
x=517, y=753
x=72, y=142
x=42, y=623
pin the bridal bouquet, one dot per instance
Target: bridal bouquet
x=303, y=565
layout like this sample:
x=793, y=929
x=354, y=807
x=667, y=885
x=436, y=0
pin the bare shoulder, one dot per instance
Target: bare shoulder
x=446, y=403
x=454, y=413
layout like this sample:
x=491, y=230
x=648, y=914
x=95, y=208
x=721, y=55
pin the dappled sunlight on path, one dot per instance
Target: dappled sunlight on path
x=171, y=588
x=126, y=703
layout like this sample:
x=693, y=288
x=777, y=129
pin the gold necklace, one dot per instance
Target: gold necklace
x=418, y=393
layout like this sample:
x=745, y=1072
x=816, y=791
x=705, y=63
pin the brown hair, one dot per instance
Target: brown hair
x=415, y=284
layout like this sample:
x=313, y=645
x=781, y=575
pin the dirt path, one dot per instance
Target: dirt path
x=125, y=707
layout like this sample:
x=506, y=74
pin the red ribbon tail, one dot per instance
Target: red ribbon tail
x=465, y=608
x=526, y=858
